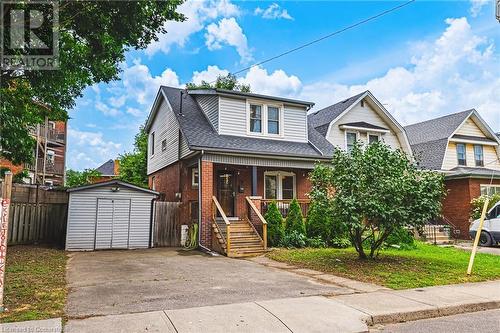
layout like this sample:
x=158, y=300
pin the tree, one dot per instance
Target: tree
x=375, y=190
x=228, y=82
x=80, y=178
x=133, y=165
x=93, y=39
x=295, y=220
x=274, y=219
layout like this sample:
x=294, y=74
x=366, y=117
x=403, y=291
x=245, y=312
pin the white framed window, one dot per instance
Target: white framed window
x=489, y=189
x=350, y=140
x=152, y=143
x=279, y=185
x=461, y=154
x=373, y=138
x=255, y=120
x=273, y=120
x=478, y=155
x=195, y=178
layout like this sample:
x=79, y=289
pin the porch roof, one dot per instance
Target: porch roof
x=200, y=135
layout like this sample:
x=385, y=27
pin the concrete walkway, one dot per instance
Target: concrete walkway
x=344, y=313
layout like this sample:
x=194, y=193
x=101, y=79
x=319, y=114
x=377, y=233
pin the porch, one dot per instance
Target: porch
x=236, y=197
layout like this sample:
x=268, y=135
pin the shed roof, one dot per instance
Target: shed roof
x=112, y=182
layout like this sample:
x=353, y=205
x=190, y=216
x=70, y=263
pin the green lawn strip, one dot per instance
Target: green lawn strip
x=427, y=265
x=35, y=283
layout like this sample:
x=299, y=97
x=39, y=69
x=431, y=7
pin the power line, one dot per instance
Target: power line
x=352, y=26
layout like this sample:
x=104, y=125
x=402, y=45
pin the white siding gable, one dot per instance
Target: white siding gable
x=367, y=114
x=210, y=106
x=233, y=119
x=165, y=127
x=469, y=127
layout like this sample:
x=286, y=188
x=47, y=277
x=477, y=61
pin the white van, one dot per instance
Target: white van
x=490, y=235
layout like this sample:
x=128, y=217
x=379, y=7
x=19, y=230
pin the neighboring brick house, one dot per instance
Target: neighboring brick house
x=464, y=147
x=225, y=155
x=49, y=155
x=109, y=170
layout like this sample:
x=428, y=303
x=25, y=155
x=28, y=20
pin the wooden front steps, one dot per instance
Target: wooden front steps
x=244, y=241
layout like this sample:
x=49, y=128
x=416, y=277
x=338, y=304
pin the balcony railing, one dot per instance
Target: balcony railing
x=54, y=168
x=52, y=134
x=284, y=206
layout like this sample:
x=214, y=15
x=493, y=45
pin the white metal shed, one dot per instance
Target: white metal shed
x=109, y=215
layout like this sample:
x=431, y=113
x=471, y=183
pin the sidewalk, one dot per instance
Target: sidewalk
x=345, y=313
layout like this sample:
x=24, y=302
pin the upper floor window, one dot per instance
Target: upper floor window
x=273, y=120
x=478, y=155
x=350, y=138
x=462, y=160
x=152, y=143
x=490, y=189
x=255, y=118
x=373, y=138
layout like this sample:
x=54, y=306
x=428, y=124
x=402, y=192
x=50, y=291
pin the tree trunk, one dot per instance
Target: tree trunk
x=358, y=244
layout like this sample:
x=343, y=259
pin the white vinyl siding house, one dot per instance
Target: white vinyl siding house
x=210, y=106
x=109, y=215
x=164, y=128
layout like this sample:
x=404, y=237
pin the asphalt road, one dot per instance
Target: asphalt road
x=477, y=322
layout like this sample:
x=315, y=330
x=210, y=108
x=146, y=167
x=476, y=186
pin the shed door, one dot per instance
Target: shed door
x=112, y=225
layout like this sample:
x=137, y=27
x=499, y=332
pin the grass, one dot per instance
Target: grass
x=35, y=283
x=427, y=265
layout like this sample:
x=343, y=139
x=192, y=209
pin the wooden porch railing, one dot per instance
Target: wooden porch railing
x=253, y=209
x=284, y=206
x=217, y=208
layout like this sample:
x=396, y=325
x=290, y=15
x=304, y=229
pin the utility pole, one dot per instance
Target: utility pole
x=4, y=227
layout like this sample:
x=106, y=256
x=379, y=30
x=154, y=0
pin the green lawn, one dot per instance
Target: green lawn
x=427, y=265
x=35, y=283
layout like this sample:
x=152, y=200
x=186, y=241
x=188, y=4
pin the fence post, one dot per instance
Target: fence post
x=4, y=227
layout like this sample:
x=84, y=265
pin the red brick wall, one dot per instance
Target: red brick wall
x=456, y=205
x=207, y=191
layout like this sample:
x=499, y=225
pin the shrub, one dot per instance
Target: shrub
x=321, y=223
x=275, y=229
x=340, y=242
x=315, y=242
x=402, y=238
x=294, y=239
x=478, y=203
x=294, y=220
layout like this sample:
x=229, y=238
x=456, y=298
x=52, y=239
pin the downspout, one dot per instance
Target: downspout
x=151, y=219
x=200, y=182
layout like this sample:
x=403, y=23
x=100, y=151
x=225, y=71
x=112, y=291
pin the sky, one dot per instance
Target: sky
x=425, y=60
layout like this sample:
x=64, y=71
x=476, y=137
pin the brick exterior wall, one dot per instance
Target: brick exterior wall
x=207, y=191
x=456, y=205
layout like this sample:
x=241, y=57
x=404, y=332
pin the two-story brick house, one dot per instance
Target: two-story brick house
x=467, y=151
x=225, y=155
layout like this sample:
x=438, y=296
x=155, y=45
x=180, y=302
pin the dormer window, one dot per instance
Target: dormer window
x=478, y=155
x=350, y=138
x=255, y=118
x=273, y=120
x=372, y=138
x=461, y=155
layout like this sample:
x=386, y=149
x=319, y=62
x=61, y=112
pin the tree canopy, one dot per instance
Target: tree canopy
x=79, y=178
x=228, y=82
x=93, y=39
x=374, y=190
x=133, y=165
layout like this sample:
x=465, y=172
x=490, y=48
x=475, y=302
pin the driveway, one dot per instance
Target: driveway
x=116, y=282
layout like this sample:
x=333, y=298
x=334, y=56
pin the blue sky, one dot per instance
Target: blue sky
x=427, y=59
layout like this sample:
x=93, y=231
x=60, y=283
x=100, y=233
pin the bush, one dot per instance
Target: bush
x=321, y=223
x=294, y=239
x=275, y=229
x=295, y=221
x=315, y=242
x=402, y=238
x=478, y=203
x=340, y=242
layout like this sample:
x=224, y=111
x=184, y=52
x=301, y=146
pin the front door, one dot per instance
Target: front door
x=225, y=191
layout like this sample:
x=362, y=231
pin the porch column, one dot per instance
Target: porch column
x=254, y=180
x=207, y=191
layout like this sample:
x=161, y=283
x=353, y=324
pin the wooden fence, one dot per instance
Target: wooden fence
x=167, y=224
x=37, y=223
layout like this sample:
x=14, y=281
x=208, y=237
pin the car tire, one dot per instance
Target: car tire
x=485, y=239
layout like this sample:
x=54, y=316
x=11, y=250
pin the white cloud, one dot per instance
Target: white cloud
x=457, y=71
x=135, y=112
x=273, y=12
x=277, y=83
x=227, y=31
x=106, y=110
x=477, y=6
x=208, y=75
x=198, y=13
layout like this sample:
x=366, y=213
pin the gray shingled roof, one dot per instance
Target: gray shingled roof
x=429, y=155
x=462, y=172
x=325, y=116
x=363, y=124
x=199, y=134
x=107, y=169
x=473, y=138
x=435, y=129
